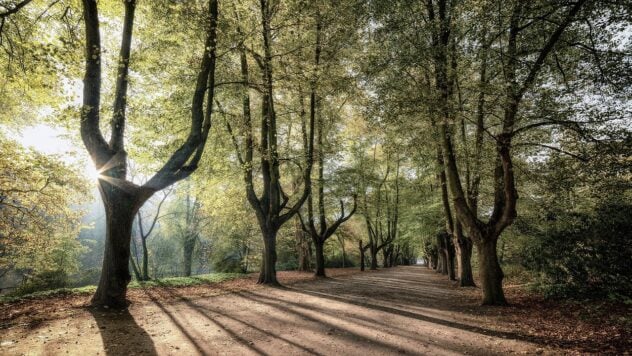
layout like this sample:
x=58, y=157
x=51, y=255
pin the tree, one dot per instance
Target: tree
x=122, y=198
x=269, y=206
x=485, y=235
x=381, y=236
x=322, y=231
x=37, y=223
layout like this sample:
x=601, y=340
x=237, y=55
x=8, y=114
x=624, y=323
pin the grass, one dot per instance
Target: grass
x=202, y=279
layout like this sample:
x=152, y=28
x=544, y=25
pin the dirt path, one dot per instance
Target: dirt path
x=405, y=310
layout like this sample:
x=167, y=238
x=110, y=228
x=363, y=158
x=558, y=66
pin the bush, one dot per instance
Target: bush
x=228, y=262
x=54, y=279
x=585, y=254
x=336, y=261
x=89, y=276
x=289, y=265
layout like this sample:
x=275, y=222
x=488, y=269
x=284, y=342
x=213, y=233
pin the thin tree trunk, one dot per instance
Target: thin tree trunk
x=145, y=272
x=188, y=248
x=450, y=257
x=361, y=255
x=344, y=253
x=135, y=269
x=134, y=260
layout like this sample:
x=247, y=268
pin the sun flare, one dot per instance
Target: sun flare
x=93, y=173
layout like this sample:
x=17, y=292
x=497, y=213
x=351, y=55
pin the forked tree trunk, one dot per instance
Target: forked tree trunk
x=120, y=209
x=267, y=275
x=320, y=258
x=491, y=274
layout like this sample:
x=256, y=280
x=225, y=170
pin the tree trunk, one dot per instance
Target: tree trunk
x=145, y=271
x=373, y=259
x=320, y=258
x=464, y=261
x=449, y=254
x=267, y=275
x=361, y=256
x=385, y=258
x=302, y=248
x=491, y=274
x=120, y=209
x=344, y=253
x=188, y=248
x=135, y=269
x=443, y=263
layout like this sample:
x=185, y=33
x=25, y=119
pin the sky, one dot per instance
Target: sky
x=51, y=140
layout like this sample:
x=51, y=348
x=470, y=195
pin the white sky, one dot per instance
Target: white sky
x=51, y=140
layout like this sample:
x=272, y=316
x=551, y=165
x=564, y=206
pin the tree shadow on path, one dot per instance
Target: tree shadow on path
x=121, y=334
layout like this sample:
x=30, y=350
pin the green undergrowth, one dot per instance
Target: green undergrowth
x=201, y=279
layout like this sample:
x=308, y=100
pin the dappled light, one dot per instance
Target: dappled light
x=290, y=177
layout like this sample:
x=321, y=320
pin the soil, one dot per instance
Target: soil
x=402, y=310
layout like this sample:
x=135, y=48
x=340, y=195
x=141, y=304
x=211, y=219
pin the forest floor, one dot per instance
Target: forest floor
x=402, y=310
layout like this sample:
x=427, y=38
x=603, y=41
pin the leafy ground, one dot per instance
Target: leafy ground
x=405, y=310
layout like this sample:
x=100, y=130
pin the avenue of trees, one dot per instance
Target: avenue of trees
x=483, y=138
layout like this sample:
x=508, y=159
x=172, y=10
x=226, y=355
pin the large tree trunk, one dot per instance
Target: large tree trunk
x=120, y=209
x=267, y=275
x=188, y=248
x=491, y=274
x=320, y=258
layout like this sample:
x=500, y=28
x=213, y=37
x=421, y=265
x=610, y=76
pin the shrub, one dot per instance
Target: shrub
x=585, y=254
x=53, y=279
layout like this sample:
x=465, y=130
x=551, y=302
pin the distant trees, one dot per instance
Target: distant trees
x=141, y=270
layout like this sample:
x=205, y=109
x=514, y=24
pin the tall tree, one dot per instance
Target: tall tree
x=121, y=197
x=271, y=205
x=485, y=234
x=321, y=231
